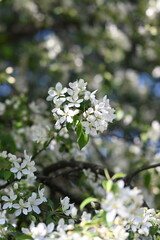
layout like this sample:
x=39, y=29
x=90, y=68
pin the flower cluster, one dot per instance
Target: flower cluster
x=125, y=202
x=20, y=167
x=68, y=208
x=17, y=196
x=13, y=200
x=102, y=224
x=41, y=231
x=77, y=101
x=30, y=205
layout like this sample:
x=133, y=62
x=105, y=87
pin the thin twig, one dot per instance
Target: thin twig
x=42, y=149
x=129, y=177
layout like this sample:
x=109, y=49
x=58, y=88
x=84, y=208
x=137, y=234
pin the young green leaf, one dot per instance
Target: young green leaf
x=87, y=201
x=24, y=237
x=82, y=137
x=118, y=175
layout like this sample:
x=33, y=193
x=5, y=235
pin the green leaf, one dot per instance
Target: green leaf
x=82, y=137
x=107, y=174
x=87, y=201
x=118, y=175
x=79, y=130
x=32, y=218
x=7, y=175
x=24, y=237
x=107, y=185
x=50, y=204
x=83, y=140
x=4, y=164
x=75, y=120
x=153, y=230
x=147, y=179
x=115, y=188
x=131, y=235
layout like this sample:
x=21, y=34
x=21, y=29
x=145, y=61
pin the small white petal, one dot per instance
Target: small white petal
x=36, y=209
x=18, y=212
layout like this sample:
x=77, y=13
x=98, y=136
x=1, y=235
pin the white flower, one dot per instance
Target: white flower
x=64, y=132
x=86, y=217
x=3, y=154
x=38, y=133
x=40, y=231
x=58, y=102
x=31, y=168
x=73, y=85
x=67, y=115
x=82, y=85
x=88, y=112
x=120, y=233
x=21, y=207
x=59, y=91
x=33, y=202
x=68, y=209
x=9, y=200
x=141, y=222
x=41, y=194
x=90, y=95
x=2, y=216
x=20, y=169
x=65, y=203
x=74, y=101
x=13, y=158
x=71, y=211
x=124, y=203
x=53, y=144
x=61, y=225
x=89, y=128
x=154, y=131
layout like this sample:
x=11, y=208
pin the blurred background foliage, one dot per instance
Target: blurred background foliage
x=113, y=45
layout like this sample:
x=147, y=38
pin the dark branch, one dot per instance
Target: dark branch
x=74, y=164
x=129, y=177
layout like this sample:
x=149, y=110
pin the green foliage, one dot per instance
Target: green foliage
x=18, y=236
x=82, y=137
x=87, y=201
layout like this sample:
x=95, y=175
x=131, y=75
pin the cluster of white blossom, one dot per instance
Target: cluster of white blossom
x=37, y=133
x=20, y=167
x=77, y=101
x=142, y=222
x=112, y=222
x=17, y=196
x=39, y=125
x=119, y=214
x=124, y=203
x=13, y=201
x=68, y=208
